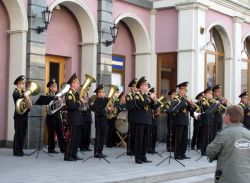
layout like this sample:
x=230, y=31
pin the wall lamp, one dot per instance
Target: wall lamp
x=46, y=16
x=114, y=33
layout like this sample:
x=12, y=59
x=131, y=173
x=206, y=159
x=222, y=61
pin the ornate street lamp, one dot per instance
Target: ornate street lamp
x=46, y=16
x=114, y=33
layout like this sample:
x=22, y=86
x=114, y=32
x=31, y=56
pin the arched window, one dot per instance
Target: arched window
x=214, y=60
x=245, y=72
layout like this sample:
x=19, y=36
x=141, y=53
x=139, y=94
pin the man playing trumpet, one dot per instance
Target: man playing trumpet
x=20, y=120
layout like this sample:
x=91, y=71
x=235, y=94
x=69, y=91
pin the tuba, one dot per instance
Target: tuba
x=59, y=102
x=85, y=87
x=22, y=104
x=89, y=80
x=113, y=89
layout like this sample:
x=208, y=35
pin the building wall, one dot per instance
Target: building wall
x=63, y=38
x=120, y=7
x=166, y=30
x=245, y=29
x=124, y=45
x=4, y=61
x=91, y=4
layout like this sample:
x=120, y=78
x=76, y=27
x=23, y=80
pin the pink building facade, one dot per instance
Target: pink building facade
x=165, y=41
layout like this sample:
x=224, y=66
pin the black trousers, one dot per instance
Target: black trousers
x=75, y=135
x=131, y=138
x=55, y=126
x=181, y=139
x=207, y=131
x=111, y=133
x=99, y=139
x=196, y=132
x=170, y=134
x=216, y=127
x=20, y=125
x=85, y=138
x=152, y=137
x=141, y=140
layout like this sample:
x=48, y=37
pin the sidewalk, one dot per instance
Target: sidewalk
x=54, y=169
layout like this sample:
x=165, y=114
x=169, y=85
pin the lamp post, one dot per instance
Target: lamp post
x=46, y=16
x=114, y=33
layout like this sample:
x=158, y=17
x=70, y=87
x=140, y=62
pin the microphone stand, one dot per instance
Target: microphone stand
x=170, y=153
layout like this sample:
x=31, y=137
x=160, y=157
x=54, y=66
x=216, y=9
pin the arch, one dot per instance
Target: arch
x=142, y=46
x=84, y=17
x=138, y=30
x=17, y=52
x=89, y=33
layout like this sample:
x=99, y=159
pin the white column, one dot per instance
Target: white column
x=142, y=66
x=237, y=47
x=153, y=60
x=88, y=65
x=17, y=67
x=190, y=57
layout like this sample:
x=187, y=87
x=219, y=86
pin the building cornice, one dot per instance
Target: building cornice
x=187, y=6
x=239, y=20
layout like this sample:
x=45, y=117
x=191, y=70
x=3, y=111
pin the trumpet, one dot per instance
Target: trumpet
x=193, y=104
x=218, y=102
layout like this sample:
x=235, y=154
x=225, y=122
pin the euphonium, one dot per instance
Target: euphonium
x=59, y=102
x=113, y=89
x=89, y=80
x=22, y=104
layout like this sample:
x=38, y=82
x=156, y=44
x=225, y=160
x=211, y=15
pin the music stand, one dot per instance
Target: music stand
x=42, y=100
x=170, y=151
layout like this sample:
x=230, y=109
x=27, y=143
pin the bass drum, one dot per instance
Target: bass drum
x=121, y=122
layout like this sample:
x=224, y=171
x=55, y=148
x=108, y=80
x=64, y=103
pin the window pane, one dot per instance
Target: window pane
x=210, y=70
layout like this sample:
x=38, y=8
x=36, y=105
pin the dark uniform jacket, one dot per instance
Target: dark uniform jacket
x=99, y=108
x=208, y=108
x=73, y=105
x=246, y=108
x=130, y=102
x=180, y=108
x=18, y=94
x=219, y=112
x=144, y=104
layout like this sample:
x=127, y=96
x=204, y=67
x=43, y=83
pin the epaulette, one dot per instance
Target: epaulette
x=138, y=96
x=71, y=96
x=129, y=96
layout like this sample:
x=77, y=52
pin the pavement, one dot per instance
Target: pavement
x=29, y=169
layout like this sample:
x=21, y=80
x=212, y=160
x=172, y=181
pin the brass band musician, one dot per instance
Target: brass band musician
x=131, y=116
x=245, y=106
x=20, y=120
x=73, y=104
x=54, y=122
x=218, y=119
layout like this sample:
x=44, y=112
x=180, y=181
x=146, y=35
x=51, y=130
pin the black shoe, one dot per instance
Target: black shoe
x=104, y=155
x=88, y=149
x=185, y=157
x=144, y=160
x=53, y=152
x=83, y=149
x=130, y=153
x=77, y=158
x=138, y=161
x=99, y=156
x=18, y=154
x=62, y=150
x=151, y=151
x=178, y=157
x=192, y=148
x=69, y=158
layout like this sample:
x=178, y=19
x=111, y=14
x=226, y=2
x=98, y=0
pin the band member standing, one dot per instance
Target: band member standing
x=131, y=117
x=143, y=120
x=87, y=121
x=73, y=104
x=54, y=123
x=218, y=119
x=99, y=107
x=156, y=111
x=246, y=108
x=196, y=139
x=208, y=106
x=170, y=125
x=181, y=121
x=20, y=120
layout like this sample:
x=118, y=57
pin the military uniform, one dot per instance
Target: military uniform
x=246, y=109
x=54, y=125
x=75, y=122
x=131, y=122
x=231, y=149
x=20, y=121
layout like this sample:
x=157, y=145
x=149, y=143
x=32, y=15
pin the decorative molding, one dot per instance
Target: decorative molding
x=88, y=44
x=145, y=53
x=188, y=6
x=185, y=50
x=16, y=31
x=153, y=12
x=239, y=20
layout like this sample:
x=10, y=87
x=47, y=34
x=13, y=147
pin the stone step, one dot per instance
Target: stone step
x=200, y=175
